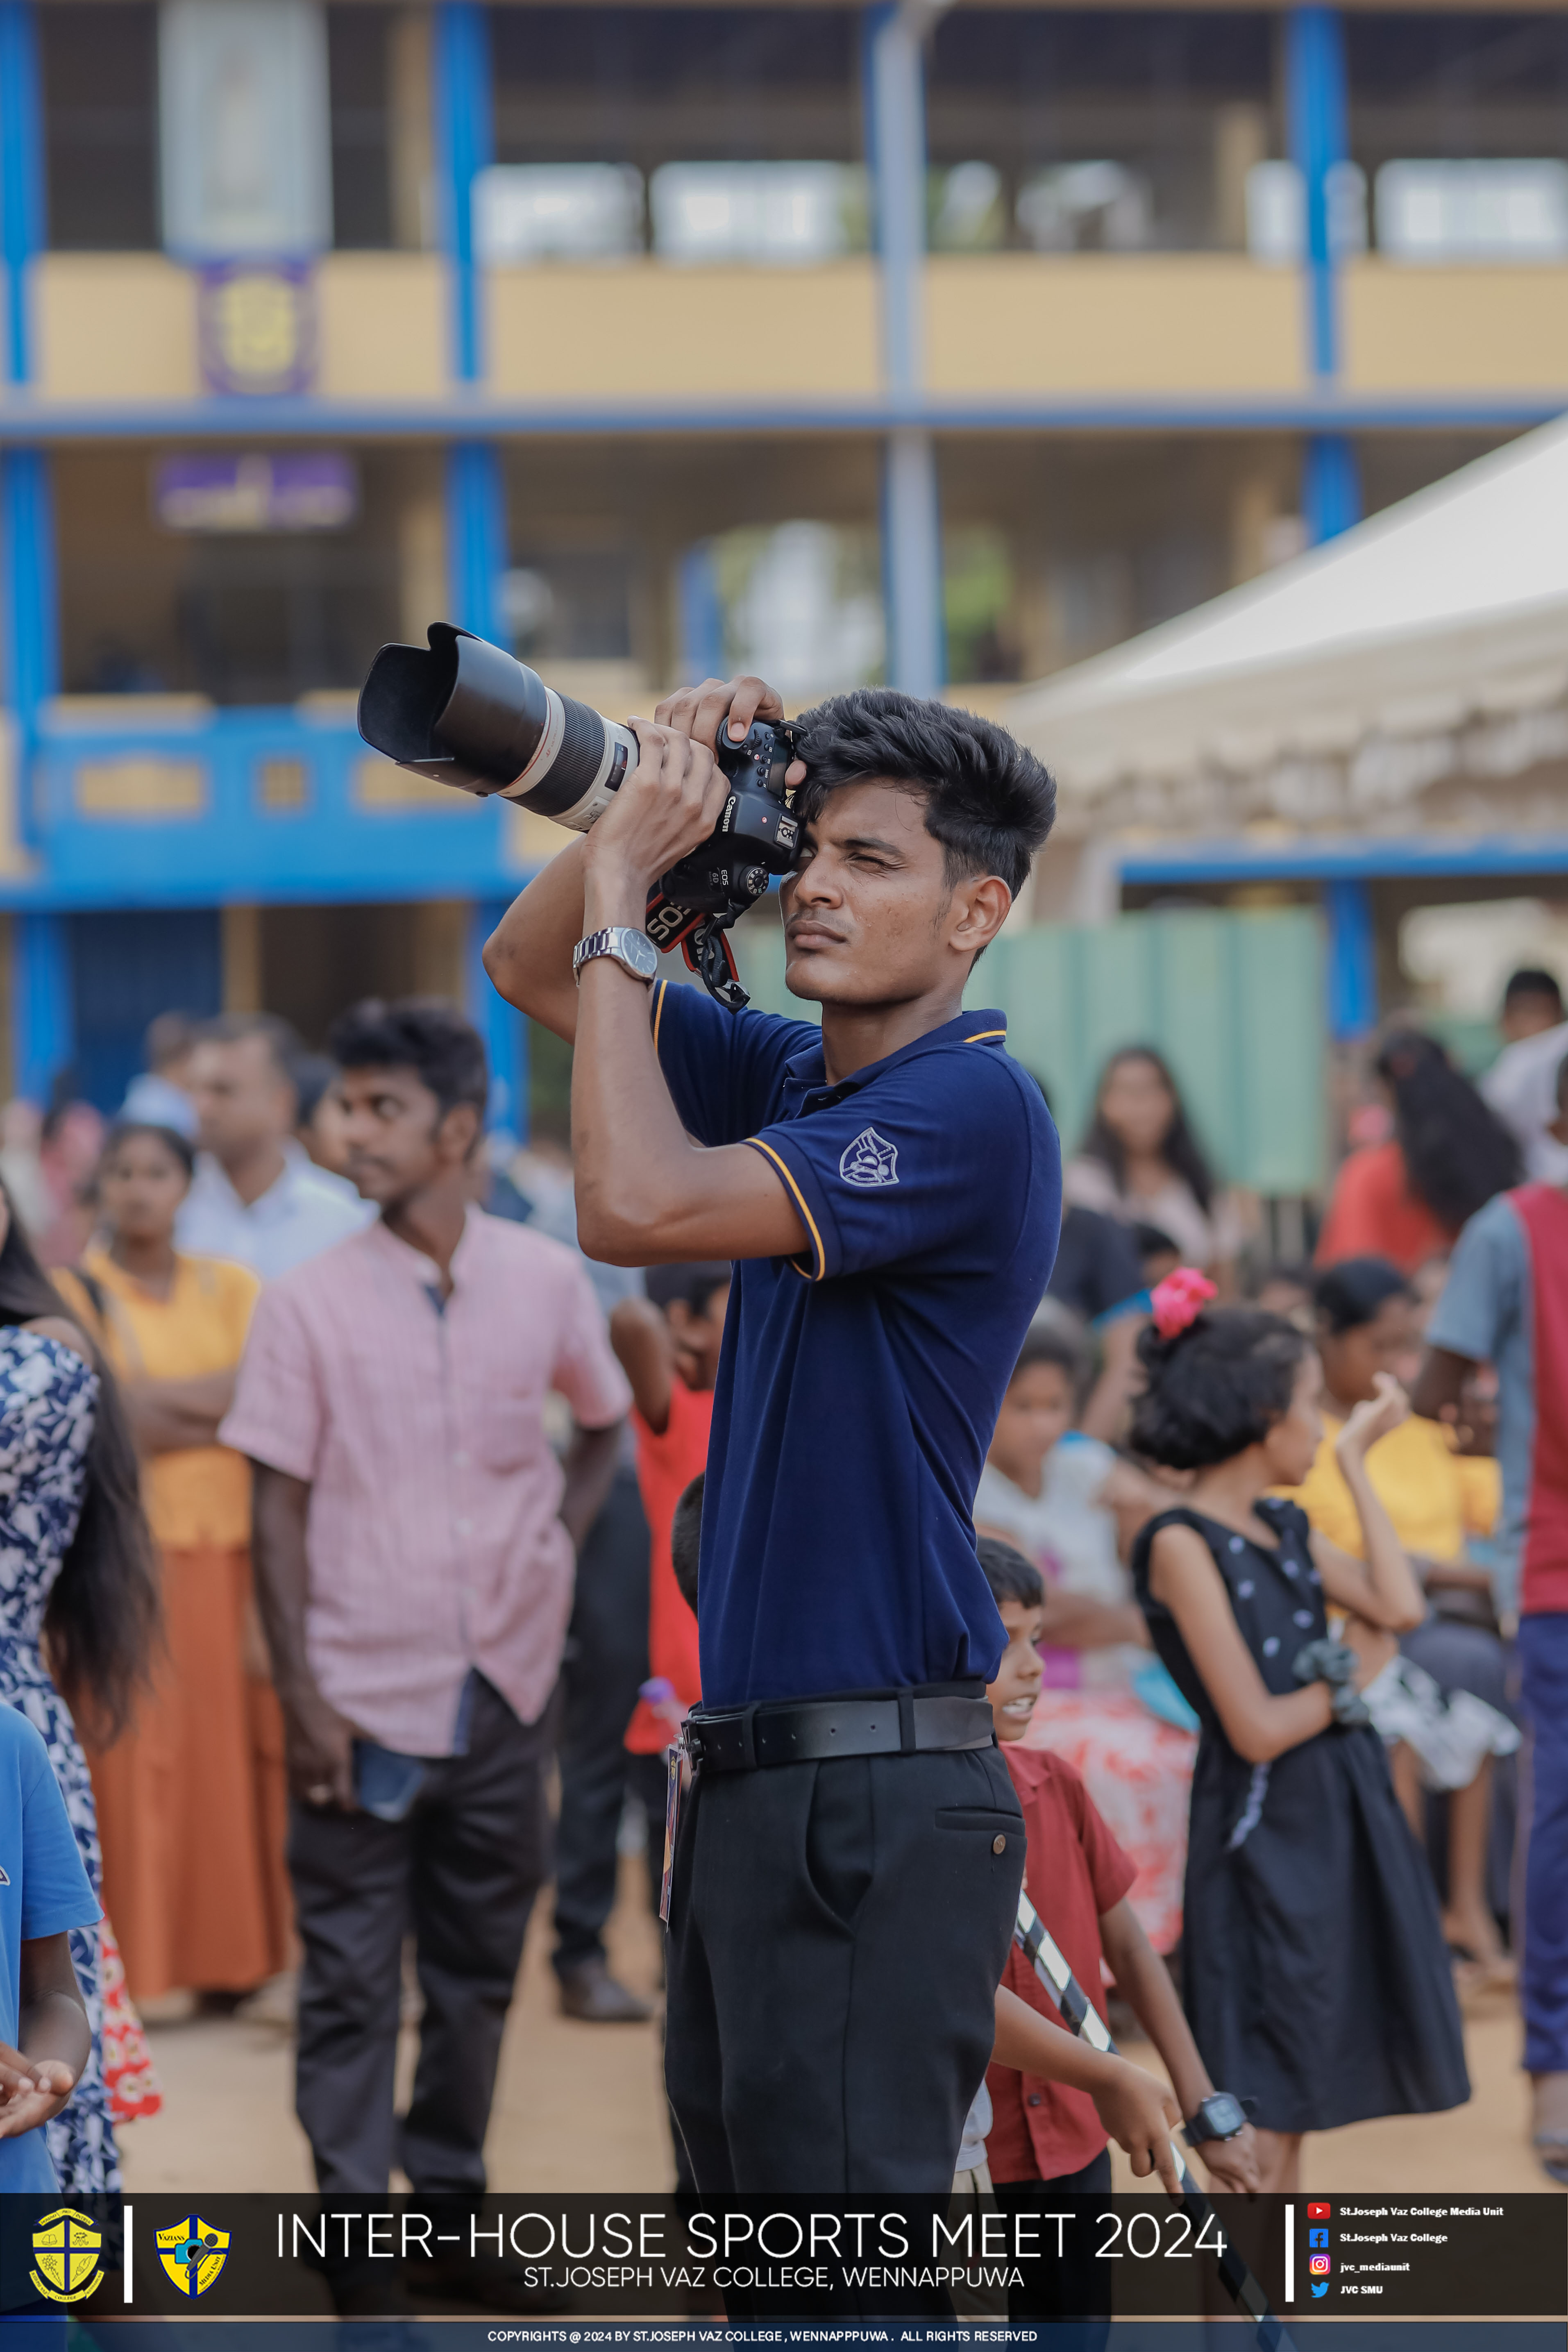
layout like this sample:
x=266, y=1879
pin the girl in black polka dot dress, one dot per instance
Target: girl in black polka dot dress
x=1314, y=1971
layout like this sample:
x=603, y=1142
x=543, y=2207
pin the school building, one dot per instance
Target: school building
x=948, y=344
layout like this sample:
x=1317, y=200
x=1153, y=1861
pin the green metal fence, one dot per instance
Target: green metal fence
x=1233, y=1000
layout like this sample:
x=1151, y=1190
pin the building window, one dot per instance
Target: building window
x=100, y=125
x=706, y=134
x=1078, y=130
x=360, y=78
x=1461, y=124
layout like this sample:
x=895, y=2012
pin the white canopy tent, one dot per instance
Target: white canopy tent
x=1414, y=670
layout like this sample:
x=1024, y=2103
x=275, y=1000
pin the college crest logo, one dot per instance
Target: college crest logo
x=871, y=1161
x=193, y=2253
x=68, y=2247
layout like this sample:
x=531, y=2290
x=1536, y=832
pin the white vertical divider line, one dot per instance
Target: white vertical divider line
x=1289, y=2254
x=128, y=2212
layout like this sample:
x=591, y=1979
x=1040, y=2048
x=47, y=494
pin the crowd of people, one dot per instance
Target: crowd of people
x=341, y=1502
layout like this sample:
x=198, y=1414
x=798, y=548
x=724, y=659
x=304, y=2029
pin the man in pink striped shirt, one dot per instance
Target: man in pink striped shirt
x=415, y=1537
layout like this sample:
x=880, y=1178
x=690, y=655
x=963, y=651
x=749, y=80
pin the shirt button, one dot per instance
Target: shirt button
x=461, y=1460
x=463, y=1526
x=1034, y=2099
x=998, y=1846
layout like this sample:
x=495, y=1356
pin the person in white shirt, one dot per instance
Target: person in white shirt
x=256, y=1196
x=1522, y=1085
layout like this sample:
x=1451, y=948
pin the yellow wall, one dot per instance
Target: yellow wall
x=1455, y=331
x=645, y=331
x=383, y=325
x=1118, y=323
x=115, y=326
x=122, y=328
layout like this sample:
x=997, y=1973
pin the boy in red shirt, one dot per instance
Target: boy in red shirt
x=669, y=1346
x=1045, y=2138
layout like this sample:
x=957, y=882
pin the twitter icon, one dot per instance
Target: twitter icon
x=1320, y=2286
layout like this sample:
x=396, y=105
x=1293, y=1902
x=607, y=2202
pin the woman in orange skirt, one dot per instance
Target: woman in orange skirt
x=190, y=1799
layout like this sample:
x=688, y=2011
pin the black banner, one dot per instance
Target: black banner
x=703, y=2262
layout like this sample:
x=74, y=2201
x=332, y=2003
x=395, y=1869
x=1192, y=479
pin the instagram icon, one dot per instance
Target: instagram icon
x=1320, y=2265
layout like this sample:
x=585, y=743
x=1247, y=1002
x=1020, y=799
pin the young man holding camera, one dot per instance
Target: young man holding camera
x=850, y=1856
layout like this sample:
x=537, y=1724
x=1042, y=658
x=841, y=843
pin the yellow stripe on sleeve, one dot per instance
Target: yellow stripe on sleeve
x=758, y=1144
x=659, y=995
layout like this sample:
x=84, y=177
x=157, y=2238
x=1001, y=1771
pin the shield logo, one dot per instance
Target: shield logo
x=871, y=1161
x=193, y=2253
x=68, y=2247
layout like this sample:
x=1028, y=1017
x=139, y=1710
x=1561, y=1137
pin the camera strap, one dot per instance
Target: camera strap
x=704, y=943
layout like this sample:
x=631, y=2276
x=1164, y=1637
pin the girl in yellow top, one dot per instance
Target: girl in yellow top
x=1367, y=1323
x=190, y=1805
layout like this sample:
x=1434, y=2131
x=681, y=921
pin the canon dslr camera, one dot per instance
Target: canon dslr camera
x=466, y=713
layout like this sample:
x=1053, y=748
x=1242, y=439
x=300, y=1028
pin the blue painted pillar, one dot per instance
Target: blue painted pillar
x=1353, y=961
x=43, y=1014
x=463, y=129
x=502, y=1027
x=21, y=177
x=464, y=109
x=476, y=536
x=1318, y=128
x=894, y=84
x=700, y=614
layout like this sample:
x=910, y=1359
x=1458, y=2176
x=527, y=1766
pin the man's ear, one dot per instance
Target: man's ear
x=980, y=904
x=459, y=1131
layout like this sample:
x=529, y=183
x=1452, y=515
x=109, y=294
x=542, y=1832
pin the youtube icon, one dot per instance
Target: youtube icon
x=1317, y=2211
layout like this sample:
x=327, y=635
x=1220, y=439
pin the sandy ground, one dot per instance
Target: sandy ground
x=580, y=2106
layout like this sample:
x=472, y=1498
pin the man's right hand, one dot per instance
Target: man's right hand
x=701, y=710
x=1140, y=2114
x=318, y=1743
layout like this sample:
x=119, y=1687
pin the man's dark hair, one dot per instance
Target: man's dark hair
x=422, y=1033
x=1217, y=1387
x=988, y=801
x=232, y=1028
x=686, y=1539
x=1532, y=980
x=1010, y=1576
x=693, y=1284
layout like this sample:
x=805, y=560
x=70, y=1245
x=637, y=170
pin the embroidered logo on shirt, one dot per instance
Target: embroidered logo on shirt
x=871, y=1161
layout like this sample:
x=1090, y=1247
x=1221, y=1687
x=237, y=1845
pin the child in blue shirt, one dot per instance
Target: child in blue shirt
x=44, y=1892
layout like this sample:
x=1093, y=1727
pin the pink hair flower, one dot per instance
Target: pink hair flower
x=1180, y=1299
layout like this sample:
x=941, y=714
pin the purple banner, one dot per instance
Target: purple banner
x=295, y=491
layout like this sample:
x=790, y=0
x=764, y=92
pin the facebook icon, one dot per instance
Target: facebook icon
x=1316, y=2237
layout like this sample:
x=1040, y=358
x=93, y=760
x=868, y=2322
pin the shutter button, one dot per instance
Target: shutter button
x=998, y=1846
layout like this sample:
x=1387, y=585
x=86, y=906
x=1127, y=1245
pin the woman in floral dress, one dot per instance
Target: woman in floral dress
x=76, y=1585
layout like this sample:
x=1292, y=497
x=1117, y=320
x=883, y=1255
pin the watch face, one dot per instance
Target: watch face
x=639, y=954
x=1222, y=2116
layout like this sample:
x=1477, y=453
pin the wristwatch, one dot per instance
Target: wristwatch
x=632, y=950
x=1219, y=2116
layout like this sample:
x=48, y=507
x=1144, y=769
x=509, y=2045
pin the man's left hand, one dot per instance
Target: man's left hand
x=670, y=801
x=1232, y=2164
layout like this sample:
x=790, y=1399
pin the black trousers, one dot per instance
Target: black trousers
x=1077, y=2287
x=460, y=1874
x=604, y=1665
x=838, y=1933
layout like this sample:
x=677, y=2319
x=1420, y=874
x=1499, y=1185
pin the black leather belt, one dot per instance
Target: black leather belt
x=805, y=1731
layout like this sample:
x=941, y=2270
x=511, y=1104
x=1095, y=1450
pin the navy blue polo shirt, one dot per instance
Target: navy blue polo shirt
x=859, y=1386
